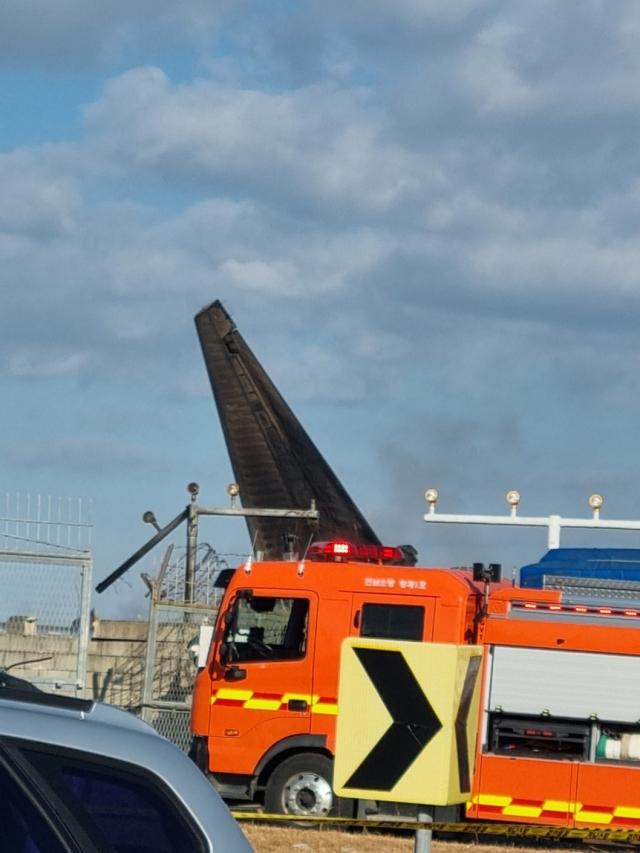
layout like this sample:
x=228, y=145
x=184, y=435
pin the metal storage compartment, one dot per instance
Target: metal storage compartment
x=582, y=685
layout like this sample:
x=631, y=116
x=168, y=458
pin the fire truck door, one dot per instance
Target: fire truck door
x=262, y=678
x=392, y=617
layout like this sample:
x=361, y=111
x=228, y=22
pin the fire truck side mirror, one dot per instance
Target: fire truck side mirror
x=487, y=574
x=234, y=673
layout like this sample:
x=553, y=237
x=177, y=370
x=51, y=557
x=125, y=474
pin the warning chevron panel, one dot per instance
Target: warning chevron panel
x=413, y=721
x=407, y=720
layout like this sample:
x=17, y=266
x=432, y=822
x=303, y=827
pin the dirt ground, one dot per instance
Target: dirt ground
x=272, y=839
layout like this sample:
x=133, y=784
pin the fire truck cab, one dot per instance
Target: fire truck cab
x=264, y=707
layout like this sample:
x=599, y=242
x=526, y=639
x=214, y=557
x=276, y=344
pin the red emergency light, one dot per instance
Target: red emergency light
x=340, y=550
x=575, y=608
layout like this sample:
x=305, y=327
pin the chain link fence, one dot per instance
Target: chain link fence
x=173, y=634
x=45, y=581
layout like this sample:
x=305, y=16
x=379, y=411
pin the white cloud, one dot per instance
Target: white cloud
x=310, y=195
x=74, y=33
x=78, y=453
x=560, y=62
x=45, y=362
x=268, y=278
x=319, y=144
x=36, y=200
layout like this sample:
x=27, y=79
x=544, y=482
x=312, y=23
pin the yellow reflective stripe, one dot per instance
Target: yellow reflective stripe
x=557, y=806
x=626, y=811
x=324, y=708
x=262, y=704
x=492, y=800
x=271, y=704
x=522, y=811
x=231, y=693
x=304, y=697
x=594, y=817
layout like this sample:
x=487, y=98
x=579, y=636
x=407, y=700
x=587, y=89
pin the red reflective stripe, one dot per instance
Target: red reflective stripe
x=596, y=809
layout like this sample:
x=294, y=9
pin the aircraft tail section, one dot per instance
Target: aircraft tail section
x=274, y=461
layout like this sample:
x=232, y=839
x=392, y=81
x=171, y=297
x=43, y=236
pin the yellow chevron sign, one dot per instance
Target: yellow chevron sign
x=407, y=720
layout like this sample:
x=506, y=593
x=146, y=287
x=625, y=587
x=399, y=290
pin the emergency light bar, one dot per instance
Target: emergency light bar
x=340, y=550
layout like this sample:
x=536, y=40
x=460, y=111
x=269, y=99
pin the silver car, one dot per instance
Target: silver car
x=80, y=776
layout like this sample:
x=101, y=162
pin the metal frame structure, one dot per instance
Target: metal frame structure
x=188, y=602
x=553, y=523
x=191, y=513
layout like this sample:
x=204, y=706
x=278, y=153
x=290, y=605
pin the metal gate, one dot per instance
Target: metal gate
x=45, y=590
x=174, y=627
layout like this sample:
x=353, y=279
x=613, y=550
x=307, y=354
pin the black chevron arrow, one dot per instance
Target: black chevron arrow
x=414, y=724
x=460, y=725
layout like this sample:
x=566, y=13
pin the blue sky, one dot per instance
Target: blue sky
x=422, y=215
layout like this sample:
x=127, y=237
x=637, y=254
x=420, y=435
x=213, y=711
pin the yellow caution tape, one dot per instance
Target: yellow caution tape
x=512, y=830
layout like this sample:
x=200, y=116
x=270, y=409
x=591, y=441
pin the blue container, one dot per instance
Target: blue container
x=603, y=563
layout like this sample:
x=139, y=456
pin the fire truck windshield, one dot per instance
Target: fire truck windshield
x=266, y=628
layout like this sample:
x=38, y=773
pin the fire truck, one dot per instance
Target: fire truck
x=558, y=741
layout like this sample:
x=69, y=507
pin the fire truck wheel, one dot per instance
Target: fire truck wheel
x=301, y=785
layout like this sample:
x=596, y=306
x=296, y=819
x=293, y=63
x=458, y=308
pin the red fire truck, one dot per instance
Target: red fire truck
x=559, y=733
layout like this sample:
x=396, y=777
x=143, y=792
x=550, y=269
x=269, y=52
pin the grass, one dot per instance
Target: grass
x=276, y=839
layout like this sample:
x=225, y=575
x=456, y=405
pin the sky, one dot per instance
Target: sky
x=422, y=215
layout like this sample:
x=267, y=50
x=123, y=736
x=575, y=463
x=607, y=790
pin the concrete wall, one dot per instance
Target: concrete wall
x=116, y=659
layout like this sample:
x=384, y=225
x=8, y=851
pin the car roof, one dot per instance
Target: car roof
x=105, y=731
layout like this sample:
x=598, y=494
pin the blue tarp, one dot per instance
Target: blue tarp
x=606, y=563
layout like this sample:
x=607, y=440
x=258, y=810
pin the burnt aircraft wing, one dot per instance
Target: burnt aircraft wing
x=274, y=461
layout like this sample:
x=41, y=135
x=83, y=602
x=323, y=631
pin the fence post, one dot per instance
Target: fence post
x=147, y=686
x=84, y=627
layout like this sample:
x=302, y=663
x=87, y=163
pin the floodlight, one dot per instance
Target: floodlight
x=431, y=496
x=149, y=518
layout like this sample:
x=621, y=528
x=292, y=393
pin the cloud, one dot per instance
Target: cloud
x=312, y=198
x=71, y=34
x=556, y=63
x=37, y=202
x=322, y=146
x=44, y=362
x=82, y=455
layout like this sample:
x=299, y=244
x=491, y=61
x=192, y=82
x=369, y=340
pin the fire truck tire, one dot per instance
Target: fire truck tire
x=301, y=785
